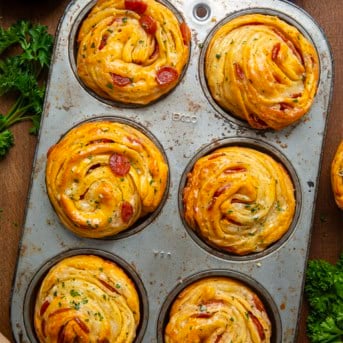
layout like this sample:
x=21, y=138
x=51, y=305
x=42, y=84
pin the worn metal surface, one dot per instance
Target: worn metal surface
x=164, y=253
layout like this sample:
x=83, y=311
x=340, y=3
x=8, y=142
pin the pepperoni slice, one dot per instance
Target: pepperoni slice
x=239, y=71
x=44, y=307
x=186, y=33
x=108, y=286
x=119, y=164
x=258, y=325
x=43, y=327
x=275, y=51
x=82, y=325
x=126, y=211
x=148, y=24
x=103, y=42
x=120, y=81
x=166, y=75
x=137, y=6
x=233, y=170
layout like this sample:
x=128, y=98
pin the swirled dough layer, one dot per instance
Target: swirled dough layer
x=218, y=310
x=262, y=70
x=86, y=298
x=103, y=176
x=128, y=56
x=337, y=176
x=239, y=199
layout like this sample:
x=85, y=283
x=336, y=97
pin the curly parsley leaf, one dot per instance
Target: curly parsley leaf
x=21, y=74
x=324, y=291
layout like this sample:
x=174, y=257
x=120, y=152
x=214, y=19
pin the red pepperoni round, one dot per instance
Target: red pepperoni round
x=126, y=211
x=186, y=33
x=44, y=307
x=120, y=81
x=137, y=6
x=119, y=164
x=148, y=24
x=166, y=75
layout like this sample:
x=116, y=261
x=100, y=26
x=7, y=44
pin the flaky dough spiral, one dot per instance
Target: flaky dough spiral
x=239, y=199
x=262, y=70
x=132, y=51
x=103, y=176
x=337, y=176
x=85, y=298
x=218, y=310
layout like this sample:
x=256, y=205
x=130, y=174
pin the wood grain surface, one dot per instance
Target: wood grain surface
x=15, y=169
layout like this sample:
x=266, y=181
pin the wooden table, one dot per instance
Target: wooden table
x=15, y=170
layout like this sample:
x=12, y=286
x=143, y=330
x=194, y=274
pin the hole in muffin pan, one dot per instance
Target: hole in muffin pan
x=255, y=286
x=33, y=289
x=201, y=65
x=264, y=148
x=142, y=222
x=73, y=49
x=201, y=12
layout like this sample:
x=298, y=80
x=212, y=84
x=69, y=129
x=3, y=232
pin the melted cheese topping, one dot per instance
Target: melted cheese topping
x=113, y=41
x=218, y=310
x=262, y=70
x=86, y=299
x=89, y=197
x=239, y=199
x=337, y=176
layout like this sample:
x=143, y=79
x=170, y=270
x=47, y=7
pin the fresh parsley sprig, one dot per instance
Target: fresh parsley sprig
x=324, y=290
x=20, y=74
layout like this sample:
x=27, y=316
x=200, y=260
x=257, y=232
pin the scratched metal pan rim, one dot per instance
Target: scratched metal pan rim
x=72, y=54
x=34, y=285
x=254, y=285
x=142, y=222
x=227, y=115
x=258, y=145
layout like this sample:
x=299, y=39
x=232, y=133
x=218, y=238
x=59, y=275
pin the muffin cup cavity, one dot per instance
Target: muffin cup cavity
x=144, y=220
x=254, y=121
x=120, y=80
x=259, y=146
x=33, y=289
x=256, y=287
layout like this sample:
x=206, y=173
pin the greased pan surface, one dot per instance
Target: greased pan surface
x=185, y=124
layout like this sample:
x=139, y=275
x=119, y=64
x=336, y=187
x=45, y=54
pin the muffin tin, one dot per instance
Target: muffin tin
x=165, y=255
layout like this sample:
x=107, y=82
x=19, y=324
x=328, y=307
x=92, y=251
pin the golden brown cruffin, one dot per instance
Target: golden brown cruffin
x=218, y=309
x=86, y=298
x=262, y=70
x=103, y=176
x=337, y=176
x=132, y=51
x=239, y=199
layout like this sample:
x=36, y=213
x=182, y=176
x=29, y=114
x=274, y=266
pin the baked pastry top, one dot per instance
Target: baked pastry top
x=103, y=176
x=86, y=298
x=132, y=51
x=262, y=70
x=337, y=176
x=218, y=309
x=239, y=200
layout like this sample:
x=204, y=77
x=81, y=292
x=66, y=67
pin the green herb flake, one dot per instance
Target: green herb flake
x=118, y=286
x=109, y=85
x=74, y=293
x=218, y=56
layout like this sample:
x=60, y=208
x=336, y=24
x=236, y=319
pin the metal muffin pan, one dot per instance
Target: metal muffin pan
x=184, y=122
